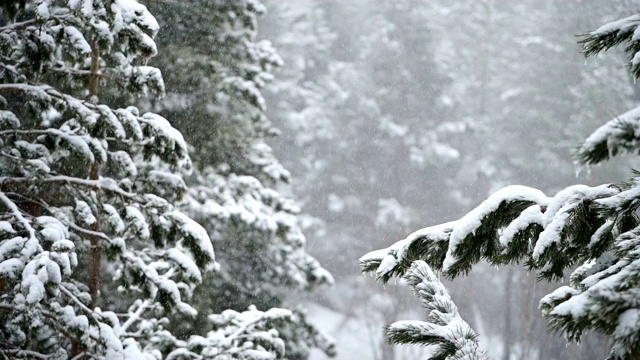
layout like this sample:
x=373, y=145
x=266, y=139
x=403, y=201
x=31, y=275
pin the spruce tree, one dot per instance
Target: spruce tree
x=215, y=99
x=94, y=256
x=594, y=230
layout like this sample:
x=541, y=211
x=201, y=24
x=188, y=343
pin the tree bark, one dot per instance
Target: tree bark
x=94, y=77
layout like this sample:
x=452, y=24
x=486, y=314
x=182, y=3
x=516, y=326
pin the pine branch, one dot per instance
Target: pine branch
x=27, y=354
x=618, y=136
x=18, y=26
x=79, y=303
x=135, y=316
x=456, y=246
x=86, y=232
x=445, y=328
x=107, y=184
x=603, y=296
x=515, y=224
x=612, y=35
x=18, y=215
x=428, y=244
x=77, y=72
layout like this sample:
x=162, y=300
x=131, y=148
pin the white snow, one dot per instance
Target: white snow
x=113, y=218
x=77, y=39
x=5, y=227
x=473, y=220
x=616, y=200
x=613, y=135
x=575, y=306
x=191, y=228
x=559, y=212
x=602, y=231
x=175, y=142
x=133, y=12
x=628, y=324
x=9, y=247
x=529, y=216
x=11, y=268
x=185, y=262
x=392, y=255
x=137, y=221
x=52, y=229
x=43, y=10
x=618, y=25
x=33, y=287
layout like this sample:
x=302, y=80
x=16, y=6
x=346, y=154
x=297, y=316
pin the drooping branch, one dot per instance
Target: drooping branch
x=445, y=328
x=108, y=185
x=618, y=136
x=18, y=215
x=515, y=224
x=614, y=34
x=18, y=26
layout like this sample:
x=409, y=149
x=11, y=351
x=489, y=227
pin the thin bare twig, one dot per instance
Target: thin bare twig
x=82, y=231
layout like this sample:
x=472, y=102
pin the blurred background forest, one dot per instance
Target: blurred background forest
x=396, y=115
x=389, y=116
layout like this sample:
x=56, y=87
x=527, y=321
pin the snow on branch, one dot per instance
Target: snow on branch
x=453, y=337
x=18, y=26
x=429, y=244
x=455, y=246
x=618, y=136
x=608, y=285
x=516, y=223
x=613, y=34
x=11, y=206
x=595, y=227
x=107, y=184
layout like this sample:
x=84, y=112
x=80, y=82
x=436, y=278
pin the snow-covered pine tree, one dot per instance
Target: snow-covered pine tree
x=215, y=98
x=86, y=195
x=596, y=229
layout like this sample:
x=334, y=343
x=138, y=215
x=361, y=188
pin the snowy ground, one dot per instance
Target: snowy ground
x=348, y=332
x=356, y=338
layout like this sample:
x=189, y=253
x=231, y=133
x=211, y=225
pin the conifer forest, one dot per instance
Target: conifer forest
x=319, y=179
